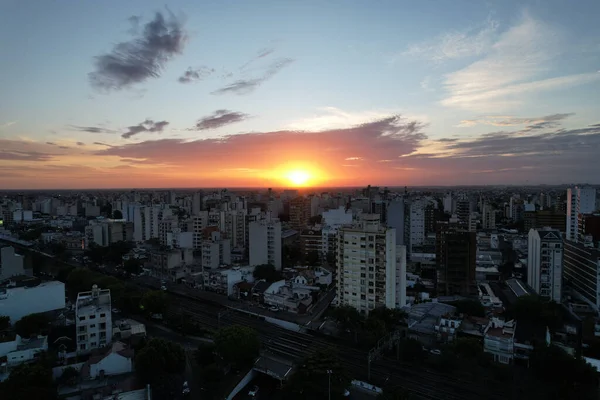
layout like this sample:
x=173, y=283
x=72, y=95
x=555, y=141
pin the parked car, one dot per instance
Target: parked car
x=186, y=388
x=253, y=392
x=436, y=352
x=274, y=309
x=163, y=287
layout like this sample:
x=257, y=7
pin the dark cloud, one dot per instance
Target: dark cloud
x=447, y=140
x=51, y=143
x=261, y=54
x=245, y=86
x=533, y=123
x=195, y=74
x=16, y=155
x=218, y=119
x=80, y=144
x=146, y=126
x=103, y=144
x=141, y=58
x=92, y=129
x=64, y=147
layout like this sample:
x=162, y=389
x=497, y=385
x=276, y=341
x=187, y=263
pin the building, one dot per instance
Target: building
x=299, y=212
x=311, y=241
x=173, y=264
x=395, y=218
x=498, y=340
x=265, y=242
x=400, y=276
x=456, y=259
x=223, y=280
x=11, y=264
x=93, y=319
x=21, y=301
x=488, y=218
x=117, y=360
x=103, y=232
x=543, y=218
x=579, y=201
x=366, y=265
x=582, y=272
x=216, y=251
x=21, y=350
x=545, y=263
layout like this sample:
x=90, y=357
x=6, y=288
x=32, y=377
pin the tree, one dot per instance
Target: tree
x=537, y=311
x=312, y=258
x=266, y=272
x=155, y=302
x=311, y=380
x=390, y=317
x=4, y=323
x=374, y=329
x=211, y=377
x=469, y=307
x=205, y=354
x=317, y=219
x=133, y=266
x=30, y=325
x=411, y=350
x=69, y=377
x=347, y=316
x=238, y=345
x=117, y=214
x=29, y=381
x=396, y=393
x=159, y=358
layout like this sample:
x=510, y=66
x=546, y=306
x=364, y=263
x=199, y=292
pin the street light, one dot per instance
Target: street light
x=329, y=372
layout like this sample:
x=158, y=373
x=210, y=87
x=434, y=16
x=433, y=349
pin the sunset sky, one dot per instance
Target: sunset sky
x=110, y=94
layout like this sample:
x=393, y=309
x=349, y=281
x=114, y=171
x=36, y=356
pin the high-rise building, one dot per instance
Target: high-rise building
x=216, y=251
x=93, y=319
x=265, y=242
x=196, y=203
x=545, y=263
x=579, y=201
x=395, y=218
x=367, y=265
x=299, y=212
x=582, y=272
x=488, y=217
x=400, y=276
x=456, y=250
x=544, y=218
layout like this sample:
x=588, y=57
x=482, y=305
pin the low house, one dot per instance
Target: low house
x=116, y=361
x=288, y=296
x=499, y=340
x=447, y=328
x=126, y=328
x=25, y=350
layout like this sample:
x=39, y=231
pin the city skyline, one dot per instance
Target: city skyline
x=300, y=94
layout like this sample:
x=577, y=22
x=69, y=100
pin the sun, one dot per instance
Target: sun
x=298, y=177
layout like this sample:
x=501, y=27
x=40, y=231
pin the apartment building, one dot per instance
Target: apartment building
x=366, y=265
x=173, y=264
x=456, y=259
x=580, y=200
x=299, y=212
x=265, y=242
x=311, y=240
x=103, y=232
x=11, y=263
x=216, y=250
x=582, y=272
x=93, y=319
x=545, y=263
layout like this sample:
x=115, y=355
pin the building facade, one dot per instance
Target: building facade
x=545, y=263
x=265, y=242
x=582, y=272
x=456, y=257
x=93, y=319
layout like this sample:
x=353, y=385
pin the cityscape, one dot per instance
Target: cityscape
x=299, y=200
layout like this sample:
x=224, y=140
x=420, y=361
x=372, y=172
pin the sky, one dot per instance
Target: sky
x=114, y=94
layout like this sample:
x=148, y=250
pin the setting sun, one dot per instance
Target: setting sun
x=298, y=178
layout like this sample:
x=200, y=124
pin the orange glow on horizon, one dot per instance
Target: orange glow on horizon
x=298, y=177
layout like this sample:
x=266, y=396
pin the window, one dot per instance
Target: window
x=92, y=335
x=81, y=338
x=82, y=347
x=82, y=328
x=103, y=325
x=92, y=325
x=102, y=315
x=102, y=335
x=93, y=316
x=93, y=344
x=82, y=318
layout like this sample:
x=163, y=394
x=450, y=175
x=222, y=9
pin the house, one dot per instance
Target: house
x=447, y=328
x=499, y=340
x=21, y=350
x=116, y=361
x=126, y=328
x=288, y=296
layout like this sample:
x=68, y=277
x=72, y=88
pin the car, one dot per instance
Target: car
x=253, y=392
x=163, y=287
x=186, y=388
x=116, y=310
x=346, y=393
x=274, y=309
x=436, y=352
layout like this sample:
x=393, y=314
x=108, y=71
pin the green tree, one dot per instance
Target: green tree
x=159, y=358
x=374, y=330
x=31, y=325
x=469, y=307
x=391, y=317
x=155, y=302
x=205, y=354
x=117, y=214
x=347, y=316
x=266, y=272
x=132, y=266
x=238, y=345
x=534, y=309
x=29, y=381
x=311, y=380
x=4, y=322
x=211, y=376
x=69, y=377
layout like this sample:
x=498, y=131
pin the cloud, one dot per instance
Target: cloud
x=146, y=126
x=15, y=155
x=103, y=144
x=80, y=144
x=51, y=143
x=143, y=57
x=545, y=122
x=92, y=129
x=386, y=138
x=517, y=64
x=195, y=74
x=245, y=86
x=329, y=118
x=260, y=54
x=453, y=45
x=218, y=119
x=353, y=158
x=426, y=84
x=6, y=125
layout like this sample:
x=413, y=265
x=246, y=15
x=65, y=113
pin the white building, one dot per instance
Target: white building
x=117, y=360
x=216, y=251
x=498, y=340
x=265, y=242
x=545, y=263
x=400, y=276
x=366, y=260
x=21, y=301
x=223, y=280
x=11, y=264
x=21, y=350
x=22, y=216
x=579, y=201
x=93, y=319
x=235, y=227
